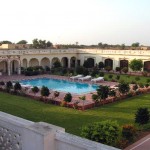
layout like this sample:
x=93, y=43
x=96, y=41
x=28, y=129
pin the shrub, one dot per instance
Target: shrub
x=137, y=78
x=112, y=93
x=85, y=72
x=79, y=70
x=110, y=76
x=125, y=70
x=142, y=116
x=117, y=77
x=64, y=71
x=146, y=85
x=148, y=80
x=17, y=86
x=106, y=132
x=108, y=68
x=68, y=98
x=103, y=92
x=9, y=86
x=45, y=91
x=133, y=82
x=35, y=90
x=129, y=95
x=94, y=73
x=101, y=65
x=124, y=87
x=135, y=87
x=2, y=83
x=144, y=73
x=47, y=68
x=101, y=74
x=141, y=85
x=128, y=132
x=56, y=64
x=118, y=69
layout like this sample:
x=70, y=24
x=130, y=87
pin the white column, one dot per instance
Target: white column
x=19, y=68
x=68, y=62
x=9, y=67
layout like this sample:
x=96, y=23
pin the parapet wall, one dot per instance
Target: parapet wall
x=20, y=134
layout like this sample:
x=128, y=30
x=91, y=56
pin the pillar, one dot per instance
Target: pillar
x=9, y=67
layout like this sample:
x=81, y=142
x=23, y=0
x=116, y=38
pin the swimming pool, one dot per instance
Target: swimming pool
x=61, y=85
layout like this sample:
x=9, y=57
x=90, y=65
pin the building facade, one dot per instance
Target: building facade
x=11, y=60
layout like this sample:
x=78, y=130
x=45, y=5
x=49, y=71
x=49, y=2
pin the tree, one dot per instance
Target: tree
x=106, y=132
x=123, y=46
x=124, y=88
x=103, y=92
x=17, y=86
x=6, y=42
x=49, y=44
x=22, y=42
x=68, y=98
x=40, y=44
x=101, y=65
x=137, y=44
x=35, y=90
x=45, y=92
x=136, y=64
x=83, y=98
x=142, y=116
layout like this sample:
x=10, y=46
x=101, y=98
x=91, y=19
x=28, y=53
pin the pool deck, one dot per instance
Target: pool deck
x=75, y=97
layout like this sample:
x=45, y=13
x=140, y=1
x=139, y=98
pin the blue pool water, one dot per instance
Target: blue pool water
x=61, y=85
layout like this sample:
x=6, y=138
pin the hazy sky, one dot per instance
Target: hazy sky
x=70, y=21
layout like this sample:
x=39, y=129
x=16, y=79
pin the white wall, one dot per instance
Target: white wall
x=20, y=134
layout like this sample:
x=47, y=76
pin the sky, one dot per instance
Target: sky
x=69, y=21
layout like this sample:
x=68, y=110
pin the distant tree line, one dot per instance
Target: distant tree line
x=42, y=44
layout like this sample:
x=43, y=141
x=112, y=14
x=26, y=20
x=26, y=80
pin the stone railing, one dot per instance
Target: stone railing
x=75, y=51
x=115, y=52
x=37, y=51
x=20, y=134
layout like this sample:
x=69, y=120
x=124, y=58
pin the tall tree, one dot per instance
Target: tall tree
x=6, y=42
x=22, y=42
x=137, y=44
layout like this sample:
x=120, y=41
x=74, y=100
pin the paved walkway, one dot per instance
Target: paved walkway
x=143, y=144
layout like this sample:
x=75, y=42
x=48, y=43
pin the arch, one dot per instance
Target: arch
x=124, y=63
x=109, y=62
x=64, y=62
x=33, y=62
x=45, y=62
x=14, y=67
x=73, y=62
x=24, y=63
x=147, y=66
x=3, y=66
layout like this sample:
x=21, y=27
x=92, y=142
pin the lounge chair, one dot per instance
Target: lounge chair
x=85, y=78
x=76, y=77
x=98, y=79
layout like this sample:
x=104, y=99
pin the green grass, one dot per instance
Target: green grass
x=128, y=78
x=72, y=120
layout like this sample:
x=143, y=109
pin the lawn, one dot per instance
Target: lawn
x=128, y=78
x=72, y=120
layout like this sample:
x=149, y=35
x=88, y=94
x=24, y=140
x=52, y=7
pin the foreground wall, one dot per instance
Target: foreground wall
x=20, y=134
